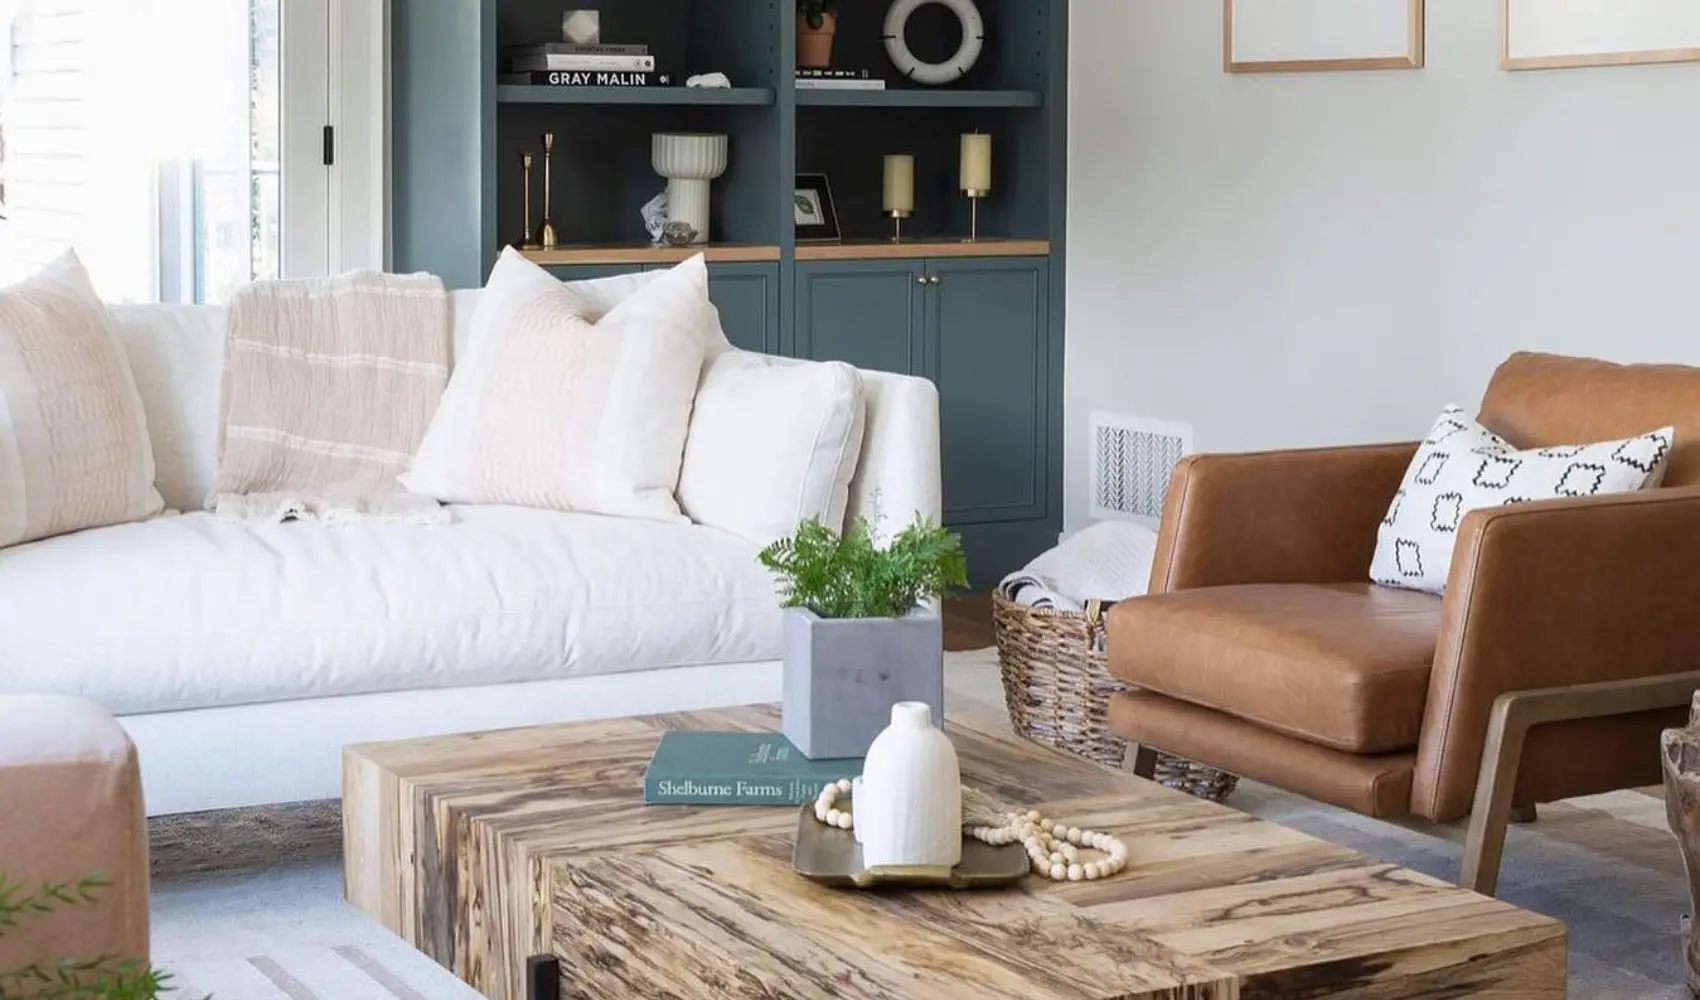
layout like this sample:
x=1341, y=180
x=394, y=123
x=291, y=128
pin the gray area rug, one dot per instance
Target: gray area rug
x=248, y=904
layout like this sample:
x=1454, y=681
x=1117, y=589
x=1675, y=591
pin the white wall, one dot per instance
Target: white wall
x=1319, y=258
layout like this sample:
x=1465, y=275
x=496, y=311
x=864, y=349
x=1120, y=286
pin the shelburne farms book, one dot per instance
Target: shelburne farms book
x=737, y=769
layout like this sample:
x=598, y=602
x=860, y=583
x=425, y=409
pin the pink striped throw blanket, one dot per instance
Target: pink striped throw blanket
x=329, y=385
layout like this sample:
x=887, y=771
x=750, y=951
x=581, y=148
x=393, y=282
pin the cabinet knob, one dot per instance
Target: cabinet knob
x=936, y=279
x=920, y=279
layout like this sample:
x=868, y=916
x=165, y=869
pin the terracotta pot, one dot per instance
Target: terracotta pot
x=814, y=45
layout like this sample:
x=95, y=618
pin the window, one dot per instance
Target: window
x=179, y=145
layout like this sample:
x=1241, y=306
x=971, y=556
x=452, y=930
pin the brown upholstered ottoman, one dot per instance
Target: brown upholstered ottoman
x=71, y=806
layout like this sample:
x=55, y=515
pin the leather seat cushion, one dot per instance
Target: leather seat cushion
x=1341, y=665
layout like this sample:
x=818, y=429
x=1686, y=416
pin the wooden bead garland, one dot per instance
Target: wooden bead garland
x=1052, y=847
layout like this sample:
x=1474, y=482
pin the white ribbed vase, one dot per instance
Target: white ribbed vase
x=909, y=801
x=689, y=161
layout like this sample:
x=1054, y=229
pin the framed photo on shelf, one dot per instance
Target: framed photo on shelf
x=816, y=215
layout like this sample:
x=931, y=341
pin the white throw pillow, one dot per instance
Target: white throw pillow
x=1463, y=466
x=773, y=442
x=569, y=400
x=515, y=279
x=74, y=448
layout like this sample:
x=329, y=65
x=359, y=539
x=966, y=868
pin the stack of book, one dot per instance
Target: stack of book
x=737, y=769
x=568, y=64
x=838, y=79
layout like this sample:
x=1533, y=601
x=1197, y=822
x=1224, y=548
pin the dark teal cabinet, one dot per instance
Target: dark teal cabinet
x=864, y=312
x=979, y=328
x=987, y=351
x=747, y=295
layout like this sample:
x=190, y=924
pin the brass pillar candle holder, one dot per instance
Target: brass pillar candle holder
x=546, y=235
x=976, y=181
x=974, y=196
x=897, y=225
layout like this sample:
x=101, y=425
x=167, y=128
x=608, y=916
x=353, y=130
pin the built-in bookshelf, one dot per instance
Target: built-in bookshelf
x=982, y=319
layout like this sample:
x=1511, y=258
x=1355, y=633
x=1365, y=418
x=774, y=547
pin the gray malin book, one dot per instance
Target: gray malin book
x=737, y=769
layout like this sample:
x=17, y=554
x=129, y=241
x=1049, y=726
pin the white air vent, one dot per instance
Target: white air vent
x=1131, y=461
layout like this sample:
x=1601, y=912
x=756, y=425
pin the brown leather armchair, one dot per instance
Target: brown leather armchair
x=1568, y=638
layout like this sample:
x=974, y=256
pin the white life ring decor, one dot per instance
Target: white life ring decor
x=934, y=74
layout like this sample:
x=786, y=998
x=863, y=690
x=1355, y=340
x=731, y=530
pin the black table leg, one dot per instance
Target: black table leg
x=542, y=978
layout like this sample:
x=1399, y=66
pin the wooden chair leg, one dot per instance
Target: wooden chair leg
x=1484, y=844
x=1513, y=715
x=1141, y=760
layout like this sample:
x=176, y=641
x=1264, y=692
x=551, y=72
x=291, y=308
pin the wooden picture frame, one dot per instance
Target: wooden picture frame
x=1540, y=34
x=1305, y=36
x=815, y=192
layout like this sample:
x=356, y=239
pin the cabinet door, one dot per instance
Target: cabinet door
x=987, y=350
x=866, y=313
x=747, y=296
x=587, y=272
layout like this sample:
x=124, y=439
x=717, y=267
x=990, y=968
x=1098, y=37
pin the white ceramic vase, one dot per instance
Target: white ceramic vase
x=690, y=162
x=909, y=801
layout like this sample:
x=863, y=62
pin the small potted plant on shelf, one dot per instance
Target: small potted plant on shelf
x=90, y=978
x=859, y=633
x=817, y=23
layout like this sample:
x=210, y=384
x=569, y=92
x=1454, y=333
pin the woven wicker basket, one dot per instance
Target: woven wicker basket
x=1058, y=689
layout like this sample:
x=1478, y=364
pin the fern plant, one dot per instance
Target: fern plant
x=101, y=978
x=848, y=576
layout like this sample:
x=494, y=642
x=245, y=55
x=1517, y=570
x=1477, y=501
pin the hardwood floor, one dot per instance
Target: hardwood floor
x=968, y=622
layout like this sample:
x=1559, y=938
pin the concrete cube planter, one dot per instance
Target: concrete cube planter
x=842, y=675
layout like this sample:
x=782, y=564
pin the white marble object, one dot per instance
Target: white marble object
x=689, y=161
x=581, y=27
x=710, y=81
x=909, y=802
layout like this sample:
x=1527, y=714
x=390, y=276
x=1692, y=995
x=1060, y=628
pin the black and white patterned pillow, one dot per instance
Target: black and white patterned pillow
x=1462, y=466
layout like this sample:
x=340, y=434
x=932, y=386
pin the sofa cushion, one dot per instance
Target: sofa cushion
x=74, y=448
x=564, y=404
x=809, y=416
x=1462, y=466
x=186, y=612
x=1343, y=665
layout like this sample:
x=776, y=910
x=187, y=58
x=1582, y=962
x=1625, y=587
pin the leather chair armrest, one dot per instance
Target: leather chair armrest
x=1552, y=594
x=1306, y=516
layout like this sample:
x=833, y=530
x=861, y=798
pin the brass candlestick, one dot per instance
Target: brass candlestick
x=974, y=197
x=525, y=170
x=897, y=225
x=546, y=229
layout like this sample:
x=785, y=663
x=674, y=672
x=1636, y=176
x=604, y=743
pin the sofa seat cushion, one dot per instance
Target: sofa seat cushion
x=1342, y=665
x=188, y=612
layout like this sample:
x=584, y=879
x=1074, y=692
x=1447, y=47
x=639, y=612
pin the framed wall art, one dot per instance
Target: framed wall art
x=1302, y=36
x=1558, y=34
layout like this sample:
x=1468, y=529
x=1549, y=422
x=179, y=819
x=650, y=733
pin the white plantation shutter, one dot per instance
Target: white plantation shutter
x=46, y=115
x=176, y=144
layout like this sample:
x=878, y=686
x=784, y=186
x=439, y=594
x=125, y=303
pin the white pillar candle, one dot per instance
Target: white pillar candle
x=899, y=183
x=976, y=162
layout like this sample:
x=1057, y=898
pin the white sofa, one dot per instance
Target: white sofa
x=242, y=658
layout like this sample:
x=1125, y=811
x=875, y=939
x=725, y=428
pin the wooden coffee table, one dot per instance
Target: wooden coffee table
x=492, y=851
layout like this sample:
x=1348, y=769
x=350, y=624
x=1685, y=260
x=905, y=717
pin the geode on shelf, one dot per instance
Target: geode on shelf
x=678, y=234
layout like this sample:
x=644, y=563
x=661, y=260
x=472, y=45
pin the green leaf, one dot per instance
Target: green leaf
x=849, y=576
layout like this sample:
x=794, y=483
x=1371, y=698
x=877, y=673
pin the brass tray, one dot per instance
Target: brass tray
x=832, y=857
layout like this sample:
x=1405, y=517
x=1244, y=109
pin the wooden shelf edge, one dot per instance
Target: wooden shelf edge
x=914, y=249
x=919, y=98
x=643, y=253
x=538, y=94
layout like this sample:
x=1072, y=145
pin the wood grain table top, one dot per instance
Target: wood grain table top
x=483, y=850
